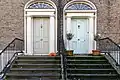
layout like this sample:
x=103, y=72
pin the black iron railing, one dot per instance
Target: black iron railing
x=63, y=60
x=8, y=55
x=61, y=46
x=110, y=48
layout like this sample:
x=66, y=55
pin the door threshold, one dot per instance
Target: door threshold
x=41, y=54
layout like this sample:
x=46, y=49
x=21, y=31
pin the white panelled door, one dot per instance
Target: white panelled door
x=41, y=35
x=79, y=28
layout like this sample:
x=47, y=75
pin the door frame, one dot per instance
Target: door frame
x=28, y=25
x=91, y=15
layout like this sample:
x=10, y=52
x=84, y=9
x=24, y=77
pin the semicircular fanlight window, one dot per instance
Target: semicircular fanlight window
x=40, y=5
x=79, y=6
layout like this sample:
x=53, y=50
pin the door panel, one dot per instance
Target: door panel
x=46, y=35
x=79, y=28
x=40, y=35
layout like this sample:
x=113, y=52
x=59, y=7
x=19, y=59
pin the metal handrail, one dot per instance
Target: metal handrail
x=112, y=49
x=9, y=53
x=10, y=44
x=111, y=41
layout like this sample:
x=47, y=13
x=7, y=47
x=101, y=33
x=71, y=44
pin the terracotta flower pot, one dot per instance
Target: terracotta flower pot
x=96, y=52
x=69, y=52
x=52, y=54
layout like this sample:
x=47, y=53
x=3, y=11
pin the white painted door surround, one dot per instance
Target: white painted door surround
x=34, y=16
x=81, y=9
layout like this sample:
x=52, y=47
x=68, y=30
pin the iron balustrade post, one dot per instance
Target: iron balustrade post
x=61, y=43
x=61, y=47
x=63, y=62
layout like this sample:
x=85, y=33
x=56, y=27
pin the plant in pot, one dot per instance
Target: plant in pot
x=96, y=51
x=69, y=36
x=97, y=37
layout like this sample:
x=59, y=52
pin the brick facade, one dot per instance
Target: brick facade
x=12, y=19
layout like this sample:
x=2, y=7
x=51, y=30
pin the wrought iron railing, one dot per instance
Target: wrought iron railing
x=109, y=47
x=63, y=60
x=8, y=55
x=61, y=46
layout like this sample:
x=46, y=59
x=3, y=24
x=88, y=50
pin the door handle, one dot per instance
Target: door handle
x=41, y=39
x=41, y=26
x=78, y=26
x=78, y=39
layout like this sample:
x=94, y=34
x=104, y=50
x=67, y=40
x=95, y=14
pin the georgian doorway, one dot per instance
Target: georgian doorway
x=80, y=20
x=40, y=27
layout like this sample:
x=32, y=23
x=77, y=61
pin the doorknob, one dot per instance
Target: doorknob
x=41, y=26
x=78, y=39
x=78, y=26
x=41, y=39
